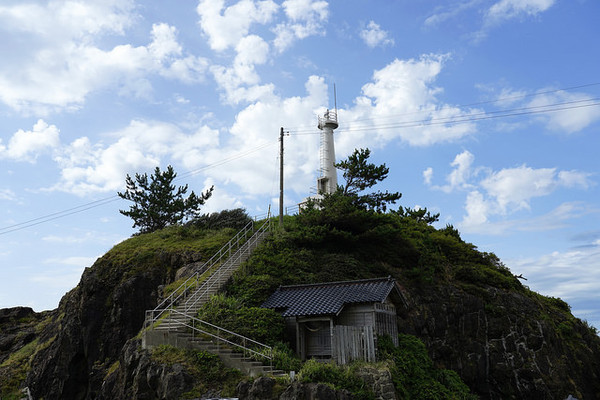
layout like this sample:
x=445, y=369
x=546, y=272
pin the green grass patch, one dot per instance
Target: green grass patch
x=13, y=370
x=142, y=250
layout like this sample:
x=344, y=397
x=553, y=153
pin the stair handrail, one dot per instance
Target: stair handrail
x=170, y=301
x=230, y=263
x=267, y=350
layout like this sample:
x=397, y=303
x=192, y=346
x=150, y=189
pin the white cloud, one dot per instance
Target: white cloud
x=444, y=13
x=28, y=145
x=510, y=190
x=164, y=42
x=241, y=81
x=478, y=209
x=245, y=155
x=82, y=237
x=482, y=217
x=509, y=9
x=515, y=187
x=460, y=175
x=302, y=10
x=61, y=59
x=505, y=10
x=575, y=116
x=509, y=96
x=58, y=281
x=305, y=18
x=495, y=195
x=428, y=176
x=61, y=19
x=572, y=275
x=561, y=111
x=403, y=96
x=260, y=123
x=88, y=168
x=374, y=36
x=490, y=17
x=251, y=50
x=226, y=26
x=7, y=194
x=72, y=261
x=574, y=179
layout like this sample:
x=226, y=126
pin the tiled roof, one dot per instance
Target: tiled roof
x=328, y=298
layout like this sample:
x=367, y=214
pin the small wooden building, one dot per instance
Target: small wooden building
x=338, y=320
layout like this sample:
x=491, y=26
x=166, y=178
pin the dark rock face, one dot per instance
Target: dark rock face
x=260, y=389
x=96, y=319
x=140, y=378
x=379, y=380
x=501, y=347
x=503, y=344
x=17, y=326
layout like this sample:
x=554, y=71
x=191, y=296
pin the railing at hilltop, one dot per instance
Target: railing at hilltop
x=212, y=267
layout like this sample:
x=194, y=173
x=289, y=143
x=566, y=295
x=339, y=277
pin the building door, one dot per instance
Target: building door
x=318, y=339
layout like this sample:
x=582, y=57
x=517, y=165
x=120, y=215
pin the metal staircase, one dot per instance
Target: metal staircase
x=174, y=320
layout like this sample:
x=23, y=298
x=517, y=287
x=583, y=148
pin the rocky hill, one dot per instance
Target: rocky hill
x=472, y=315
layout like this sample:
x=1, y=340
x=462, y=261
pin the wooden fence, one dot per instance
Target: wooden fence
x=353, y=343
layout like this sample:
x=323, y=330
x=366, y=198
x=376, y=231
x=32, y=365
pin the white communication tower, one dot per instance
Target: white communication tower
x=327, y=181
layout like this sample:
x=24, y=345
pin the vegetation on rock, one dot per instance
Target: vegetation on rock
x=414, y=374
x=260, y=324
x=208, y=371
x=158, y=203
x=464, y=311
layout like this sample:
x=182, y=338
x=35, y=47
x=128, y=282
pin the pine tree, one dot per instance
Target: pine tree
x=158, y=203
x=360, y=176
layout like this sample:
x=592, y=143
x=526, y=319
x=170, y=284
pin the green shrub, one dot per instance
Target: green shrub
x=559, y=303
x=260, y=324
x=566, y=330
x=285, y=358
x=236, y=218
x=339, y=377
x=413, y=372
x=253, y=289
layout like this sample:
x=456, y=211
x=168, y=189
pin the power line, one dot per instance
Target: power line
x=466, y=118
x=97, y=203
x=58, y=215
x=453, y=120
x=306, y=129
x=226, y=160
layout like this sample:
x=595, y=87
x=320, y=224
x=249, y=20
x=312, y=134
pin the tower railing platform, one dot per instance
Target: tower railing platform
x=329, y=119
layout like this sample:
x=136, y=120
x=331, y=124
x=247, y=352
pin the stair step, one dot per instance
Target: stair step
x=193, y=301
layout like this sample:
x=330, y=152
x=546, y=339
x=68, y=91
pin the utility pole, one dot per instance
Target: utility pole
x=281, y=178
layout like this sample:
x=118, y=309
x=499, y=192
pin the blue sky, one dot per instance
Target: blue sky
x=486, y=111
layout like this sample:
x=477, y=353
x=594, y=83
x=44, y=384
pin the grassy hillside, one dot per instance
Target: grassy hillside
x=471, y=312
x=465, y=310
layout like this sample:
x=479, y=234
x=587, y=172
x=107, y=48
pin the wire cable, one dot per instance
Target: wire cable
x=452, y=120
x=466, y=118
x=307, y=129
x=57, y=215
x=107, y=200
